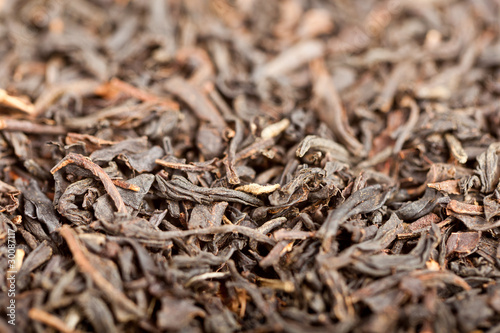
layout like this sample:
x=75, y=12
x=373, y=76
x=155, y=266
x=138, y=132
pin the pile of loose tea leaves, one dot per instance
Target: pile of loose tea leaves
x=249, y=166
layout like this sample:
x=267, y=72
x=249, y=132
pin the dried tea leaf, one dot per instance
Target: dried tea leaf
x=456, y=148
x=176, y=314
x=36, y=258
x=43, y=207
x=67, y=206
x=257, y=189
x=275, y=129
x=325, y=145
x=462, y=243
x=488, y=169
x=97, y=312
x=491, y=206
x=463, y=208
x=451, y=186
x=207, y=216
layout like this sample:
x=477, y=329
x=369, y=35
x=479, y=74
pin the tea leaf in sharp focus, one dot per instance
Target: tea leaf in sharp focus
x=207, y=216
x=179, y=187
x=96, y=171
x=44, y=210
x=368, y=199
x=329, y=146
x=67, y=206
x=257, y=189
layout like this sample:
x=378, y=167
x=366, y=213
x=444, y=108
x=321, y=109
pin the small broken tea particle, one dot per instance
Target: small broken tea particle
x=257, y=189
x=275, y=129
x=451, y=186
x=125, y=185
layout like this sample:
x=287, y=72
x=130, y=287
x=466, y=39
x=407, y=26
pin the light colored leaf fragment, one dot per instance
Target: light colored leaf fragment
x=456, y=148
x=257, y=189
x=275, y=129
x=449, y=186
